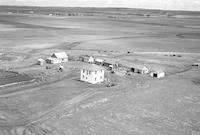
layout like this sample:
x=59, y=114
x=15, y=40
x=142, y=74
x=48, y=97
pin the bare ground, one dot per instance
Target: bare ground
x=60, y=104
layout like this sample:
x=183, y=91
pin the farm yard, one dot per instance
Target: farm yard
x=51, y=99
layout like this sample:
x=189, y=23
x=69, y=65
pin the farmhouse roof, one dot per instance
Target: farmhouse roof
x=92, y=67
x=59, y=55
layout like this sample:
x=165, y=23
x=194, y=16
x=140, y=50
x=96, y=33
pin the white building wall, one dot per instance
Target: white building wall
x=55, y=61
x=145, y=70
x=160, y=75
x=91, y=60
x=86, y=76
x=98, y=76
x=92, y=76
x=64, y=60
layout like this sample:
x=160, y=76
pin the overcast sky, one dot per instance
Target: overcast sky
x=150, y=4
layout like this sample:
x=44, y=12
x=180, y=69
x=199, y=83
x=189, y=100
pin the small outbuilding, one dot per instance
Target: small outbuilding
x=140, y=69
x=111, y=67
x=110, y=64
x=86, y=58
x=99, y=61
x=135, y=68
x=92, y=74
x=196, y=64
x=158, y=74
x=91, y=60
x=107, y=64
x=40, y=62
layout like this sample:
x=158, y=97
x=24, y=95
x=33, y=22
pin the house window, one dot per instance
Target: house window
x=95, y=72
x=100, y=77
x=89, y=72
x=95, y=78
x=83, y=70
x=83, y=76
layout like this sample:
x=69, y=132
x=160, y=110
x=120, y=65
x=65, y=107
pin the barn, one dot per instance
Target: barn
x=62, y=56
x=92, y=74
x=57, y=58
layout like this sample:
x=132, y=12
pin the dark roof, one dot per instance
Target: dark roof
x=92, y=67
x=84, y=56
x=132, y=65
x=113, y=62
x=60, y=55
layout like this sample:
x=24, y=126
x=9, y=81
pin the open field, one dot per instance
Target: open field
x=58, y=103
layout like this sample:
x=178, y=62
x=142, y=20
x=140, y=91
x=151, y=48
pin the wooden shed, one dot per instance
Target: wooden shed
x=197, y=64
x=139, y=69
x=86, y=58
x=110, y=63
x=158, y=74
x=99, y=61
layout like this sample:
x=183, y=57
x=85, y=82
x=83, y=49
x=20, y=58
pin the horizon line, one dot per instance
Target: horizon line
x=100, y=7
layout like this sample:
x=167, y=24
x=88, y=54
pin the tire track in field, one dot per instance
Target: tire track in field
x=33, y=87
x=52, y=113
x=63, y=107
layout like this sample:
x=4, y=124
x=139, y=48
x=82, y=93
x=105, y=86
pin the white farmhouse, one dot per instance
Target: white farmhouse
x=92, y=74
x=57, y=58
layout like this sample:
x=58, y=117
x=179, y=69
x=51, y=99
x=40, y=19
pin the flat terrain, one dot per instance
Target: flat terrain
x=57, y=103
